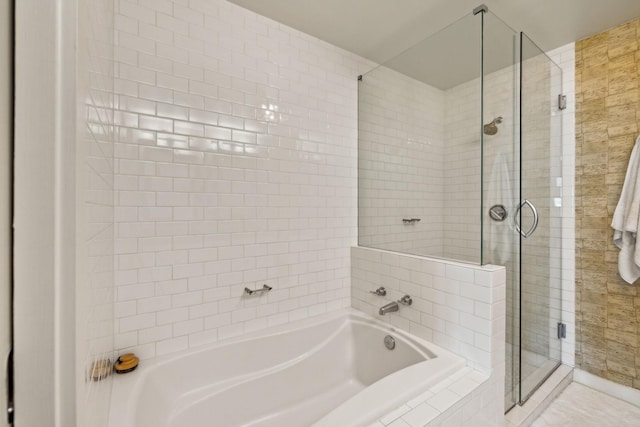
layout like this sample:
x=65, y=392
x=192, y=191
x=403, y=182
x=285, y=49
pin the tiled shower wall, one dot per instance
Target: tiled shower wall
x=607, y=125
x=401, y=163
x=462, y=154
x=95, y=208
x=418, y=144
x=235, y=166
x=463, y=176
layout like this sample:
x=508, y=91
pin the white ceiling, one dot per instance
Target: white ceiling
x=381, y=29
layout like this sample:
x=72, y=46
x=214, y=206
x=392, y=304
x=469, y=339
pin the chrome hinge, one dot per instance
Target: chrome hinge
x=10, y=407
x=562, y=102
x=481, y=9
x=562, y=330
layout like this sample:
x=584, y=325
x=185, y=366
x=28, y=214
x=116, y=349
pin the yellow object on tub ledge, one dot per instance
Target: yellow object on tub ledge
x=126, y=363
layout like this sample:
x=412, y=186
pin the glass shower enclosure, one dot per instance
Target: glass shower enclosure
x=459, y=157
x=537, y=300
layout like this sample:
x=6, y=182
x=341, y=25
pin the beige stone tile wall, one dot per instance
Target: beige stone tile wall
x=607, y=124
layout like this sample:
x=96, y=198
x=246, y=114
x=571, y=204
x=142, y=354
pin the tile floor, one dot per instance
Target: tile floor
x=581, y=406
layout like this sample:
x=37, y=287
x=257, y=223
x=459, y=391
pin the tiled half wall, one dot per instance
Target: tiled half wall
x=460, y=307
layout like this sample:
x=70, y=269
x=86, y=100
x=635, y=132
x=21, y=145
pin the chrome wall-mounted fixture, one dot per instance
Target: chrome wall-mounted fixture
x=393, y=305
x=388, y=308
x=492, y=128
x=406, y=300
x=498, y=213
x=410, y=220
x=265, y=288
x=381, y=291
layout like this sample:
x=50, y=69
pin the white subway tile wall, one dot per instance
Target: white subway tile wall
x=464, y=183
x=235, y=165
x=405, y=170
x=459, y=307
x=400, y=163
x=95, y=208
x=462, y=171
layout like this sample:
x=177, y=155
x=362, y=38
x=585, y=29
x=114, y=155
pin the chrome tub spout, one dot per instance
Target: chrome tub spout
x=388, y=308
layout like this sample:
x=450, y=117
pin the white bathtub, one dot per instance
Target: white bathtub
x=332, y=371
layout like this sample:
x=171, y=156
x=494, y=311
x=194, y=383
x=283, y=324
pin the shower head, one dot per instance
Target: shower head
x=492, y=128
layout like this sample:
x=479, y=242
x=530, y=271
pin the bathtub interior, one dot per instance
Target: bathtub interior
x=297, y=392
x=172, y=386
x=290, y=378
x=371, y=360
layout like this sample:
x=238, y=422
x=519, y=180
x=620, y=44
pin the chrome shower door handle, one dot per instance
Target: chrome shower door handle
x=526, y=234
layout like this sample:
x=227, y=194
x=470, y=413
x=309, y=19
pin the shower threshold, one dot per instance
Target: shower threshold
x=535, y=369
x=540, y=399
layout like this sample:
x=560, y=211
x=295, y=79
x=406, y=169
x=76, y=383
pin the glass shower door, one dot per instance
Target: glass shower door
x=501, y=190
x=6, y=156
x=538, y=217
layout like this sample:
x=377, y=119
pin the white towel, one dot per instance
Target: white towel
x=499, y=193
x=626, y=219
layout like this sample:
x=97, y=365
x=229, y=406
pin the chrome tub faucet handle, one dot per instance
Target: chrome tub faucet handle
x=406, y=300
x=381, y=291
